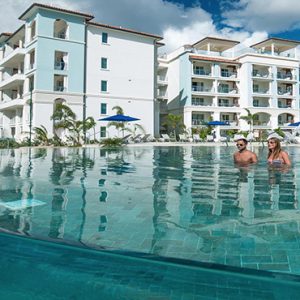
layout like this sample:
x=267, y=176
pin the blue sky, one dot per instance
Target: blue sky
x=182, y=21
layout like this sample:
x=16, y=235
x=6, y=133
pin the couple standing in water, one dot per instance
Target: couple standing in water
x=276, y=156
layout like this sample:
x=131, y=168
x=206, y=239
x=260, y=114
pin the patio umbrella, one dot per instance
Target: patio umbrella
x=294, y=124
x=119, y=118
x=217, y=123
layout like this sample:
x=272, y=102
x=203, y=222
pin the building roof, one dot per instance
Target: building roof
x=157, y=37
x=214, y=59
x=35, y=6
x=11, y=35
x=4, y=36
x=279, y=44
x=216, y=44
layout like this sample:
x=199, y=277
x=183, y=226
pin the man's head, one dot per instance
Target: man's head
x=241, y=144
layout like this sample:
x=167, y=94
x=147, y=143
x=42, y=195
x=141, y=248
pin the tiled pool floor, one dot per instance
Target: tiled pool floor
x=32, y=269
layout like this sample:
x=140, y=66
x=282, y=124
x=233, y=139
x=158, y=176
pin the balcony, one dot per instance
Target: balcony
x=162, y=95
x=286, y=76
x=12, y=104
x=262, y=91
x=202, y=89
x=162, y=80
x=13, y=58
x=227, y=90
x=228, y=74
x=12, y=81
x=59, y=88
x=200, y=72
x=262, y=75
x=61, y=66
x=284, y=92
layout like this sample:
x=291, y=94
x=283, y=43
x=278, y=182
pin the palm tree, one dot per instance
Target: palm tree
x=89, y=124
x=118, y=125
x=135, y=128
x=249, y=118
x=174, y=123
x=41, y=135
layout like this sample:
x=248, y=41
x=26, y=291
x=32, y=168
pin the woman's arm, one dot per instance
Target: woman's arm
x=286, y=158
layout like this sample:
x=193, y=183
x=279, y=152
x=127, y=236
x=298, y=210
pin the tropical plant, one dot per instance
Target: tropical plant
x=135, y=128
x=174, y=124
x=89, y=124
x=249, y=118
x=118, y=125
x=111, y=143
x=65, y=118
x=279, y=131
x=41, y=135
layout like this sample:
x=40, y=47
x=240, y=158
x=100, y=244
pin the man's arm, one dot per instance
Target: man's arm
x=254, y=158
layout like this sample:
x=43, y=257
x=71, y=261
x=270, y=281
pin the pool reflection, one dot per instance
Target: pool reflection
x=189, y=202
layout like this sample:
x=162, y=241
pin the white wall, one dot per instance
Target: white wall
x=130, y=75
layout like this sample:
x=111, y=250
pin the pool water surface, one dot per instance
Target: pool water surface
x=186, y=202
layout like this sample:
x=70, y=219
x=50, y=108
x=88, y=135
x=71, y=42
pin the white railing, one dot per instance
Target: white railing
x=202, y=89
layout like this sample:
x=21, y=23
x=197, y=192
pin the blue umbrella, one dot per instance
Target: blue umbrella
x=216, y=123
x=294, y=124
x=119, y=118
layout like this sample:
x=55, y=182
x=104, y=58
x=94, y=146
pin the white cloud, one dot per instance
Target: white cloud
x=177, y=24
x=273, y=16
x=11, y=10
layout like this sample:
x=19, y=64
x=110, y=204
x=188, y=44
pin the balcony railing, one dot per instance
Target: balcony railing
x=201, y=72
x=59, y=88
x=60, y=66
x=228, y=74
x=284, y=105
x=285, y=92
x=202, y=89
x=262, y=74
x=162, y=78
x=259, y=104
x=60, y=35
x=198, y=122
x=260, y=91
x=227, y=90
x=285, y=76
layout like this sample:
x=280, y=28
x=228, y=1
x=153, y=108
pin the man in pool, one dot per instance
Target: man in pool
x=243, y=156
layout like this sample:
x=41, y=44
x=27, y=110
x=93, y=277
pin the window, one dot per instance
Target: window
x=223, y=102
x=104, y=37
x=103, y=109
x=225, y=117
x=102, y=131
x=255, y=102
x=103, y=86
x=103, y=63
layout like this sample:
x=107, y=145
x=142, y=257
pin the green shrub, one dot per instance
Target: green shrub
x=111, y=143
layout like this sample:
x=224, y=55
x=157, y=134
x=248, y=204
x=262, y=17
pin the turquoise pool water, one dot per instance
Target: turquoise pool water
x=180, y=202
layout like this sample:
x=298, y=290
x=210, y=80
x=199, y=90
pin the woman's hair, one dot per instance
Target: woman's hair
x=277, y=148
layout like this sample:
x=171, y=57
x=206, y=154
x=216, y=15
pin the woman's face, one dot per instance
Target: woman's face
x=272, y=144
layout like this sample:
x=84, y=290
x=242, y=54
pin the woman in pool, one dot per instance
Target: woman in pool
x=276, y=155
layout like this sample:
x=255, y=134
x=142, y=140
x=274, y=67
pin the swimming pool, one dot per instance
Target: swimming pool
x=186, y=202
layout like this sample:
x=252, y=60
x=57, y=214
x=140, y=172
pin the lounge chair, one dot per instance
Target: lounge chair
x=224, y=139
x=137, y=138
x=166, y=138
x=197, y=138
x=183, y=138
x=210, y=138
x=126, y=139
x=290, y=138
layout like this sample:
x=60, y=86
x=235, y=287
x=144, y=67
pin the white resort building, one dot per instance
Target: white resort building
x=61, y=56
x=212, y=80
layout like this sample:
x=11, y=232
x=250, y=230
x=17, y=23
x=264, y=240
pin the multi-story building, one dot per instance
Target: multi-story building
x=212, y=80
x=60, y=56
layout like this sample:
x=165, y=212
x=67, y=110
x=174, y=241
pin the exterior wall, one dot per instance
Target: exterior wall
x=129, y=75
x=179, y=65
